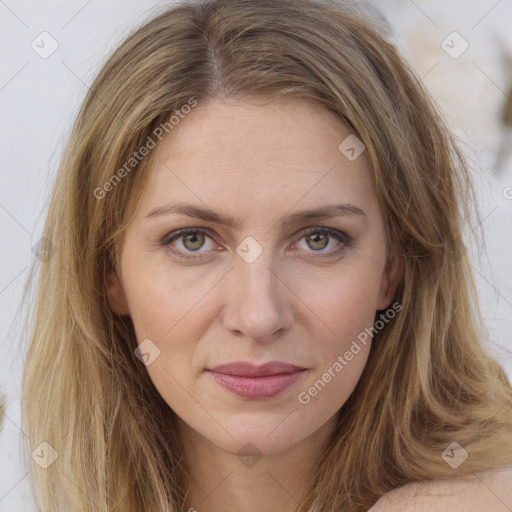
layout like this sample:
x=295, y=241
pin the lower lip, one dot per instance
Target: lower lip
x=268, y=386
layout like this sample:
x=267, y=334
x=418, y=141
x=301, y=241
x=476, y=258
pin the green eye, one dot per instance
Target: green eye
x=193, y=240
x=317, y=241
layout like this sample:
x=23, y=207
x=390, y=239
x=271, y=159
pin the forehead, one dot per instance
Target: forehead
x=256, y=157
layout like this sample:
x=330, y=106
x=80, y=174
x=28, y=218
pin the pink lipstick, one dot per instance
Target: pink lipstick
x=256, y=381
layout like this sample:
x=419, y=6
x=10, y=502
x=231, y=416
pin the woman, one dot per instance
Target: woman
x=259, y=297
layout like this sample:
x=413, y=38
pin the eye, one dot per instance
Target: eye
x=187, y=243
x=318, y=239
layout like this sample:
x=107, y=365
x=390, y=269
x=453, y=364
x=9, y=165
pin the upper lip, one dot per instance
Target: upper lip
x=247, y=369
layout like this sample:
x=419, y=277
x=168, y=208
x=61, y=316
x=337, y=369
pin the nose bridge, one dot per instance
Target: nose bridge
x=258, y=300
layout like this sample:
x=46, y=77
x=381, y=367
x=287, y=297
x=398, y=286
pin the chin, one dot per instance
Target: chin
x=261, y=433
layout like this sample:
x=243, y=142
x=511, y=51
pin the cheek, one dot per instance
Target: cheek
x=173, y=322
x=344, y=348
x=162, y=299
x=345, y=301
x=172, y=310
x=347, y=309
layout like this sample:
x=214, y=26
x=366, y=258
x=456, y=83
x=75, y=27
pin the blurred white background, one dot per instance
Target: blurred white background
x=51, y=51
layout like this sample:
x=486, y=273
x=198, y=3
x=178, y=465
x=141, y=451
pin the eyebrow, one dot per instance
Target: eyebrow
x=208, y=215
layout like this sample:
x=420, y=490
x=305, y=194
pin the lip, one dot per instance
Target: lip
x=257, y=381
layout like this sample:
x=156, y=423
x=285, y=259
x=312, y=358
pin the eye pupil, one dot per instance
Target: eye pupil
x=315, y=238
x=197, y=240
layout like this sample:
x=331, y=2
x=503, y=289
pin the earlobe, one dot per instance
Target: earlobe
x=116, y=295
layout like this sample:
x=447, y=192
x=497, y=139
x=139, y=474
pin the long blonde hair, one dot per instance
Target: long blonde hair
x=428, y=381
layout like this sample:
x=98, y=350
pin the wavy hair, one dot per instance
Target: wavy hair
x=429, y=380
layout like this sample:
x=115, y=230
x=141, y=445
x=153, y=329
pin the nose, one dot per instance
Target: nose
x=259, y=304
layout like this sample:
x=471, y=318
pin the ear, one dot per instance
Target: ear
x=116, y=295
x=391, y=277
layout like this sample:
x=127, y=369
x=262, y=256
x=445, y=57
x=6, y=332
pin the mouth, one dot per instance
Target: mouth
x=257, y=381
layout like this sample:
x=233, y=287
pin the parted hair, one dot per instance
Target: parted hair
x=429, y=380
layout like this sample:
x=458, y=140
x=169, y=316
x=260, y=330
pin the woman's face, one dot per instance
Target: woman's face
x=284, y=262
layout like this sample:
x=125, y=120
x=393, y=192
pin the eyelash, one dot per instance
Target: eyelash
x=343, y=238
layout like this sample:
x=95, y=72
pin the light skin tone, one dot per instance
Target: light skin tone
x=487, y=491
x=301, y=301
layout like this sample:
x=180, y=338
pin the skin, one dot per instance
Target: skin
x=487, y=491
x=258, y=162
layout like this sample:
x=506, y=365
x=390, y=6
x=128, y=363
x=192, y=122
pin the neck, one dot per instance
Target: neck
x=222, y=481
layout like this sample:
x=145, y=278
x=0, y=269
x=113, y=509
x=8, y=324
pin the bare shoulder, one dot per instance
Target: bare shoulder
x=488, y=491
